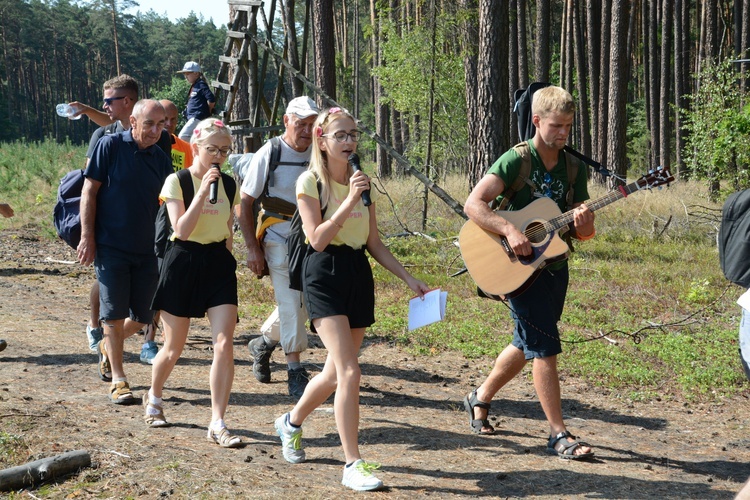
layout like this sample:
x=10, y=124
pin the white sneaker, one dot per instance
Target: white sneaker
x=358, y=476
x=291, y=440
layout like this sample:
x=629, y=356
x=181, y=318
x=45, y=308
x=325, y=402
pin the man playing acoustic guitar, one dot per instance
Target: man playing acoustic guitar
x=539, y=307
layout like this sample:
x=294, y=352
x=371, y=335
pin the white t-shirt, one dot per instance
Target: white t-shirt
x=284, y=181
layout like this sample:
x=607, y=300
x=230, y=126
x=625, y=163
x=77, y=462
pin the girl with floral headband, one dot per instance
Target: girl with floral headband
x=340, y=304
x=198, y=275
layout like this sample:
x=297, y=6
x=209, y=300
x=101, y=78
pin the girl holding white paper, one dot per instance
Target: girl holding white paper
x=338, y=287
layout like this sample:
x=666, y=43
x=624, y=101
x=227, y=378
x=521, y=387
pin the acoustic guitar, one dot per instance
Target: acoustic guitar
x=497, y=270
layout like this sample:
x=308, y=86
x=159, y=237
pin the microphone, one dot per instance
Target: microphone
x=354, y=162
x=213, y=189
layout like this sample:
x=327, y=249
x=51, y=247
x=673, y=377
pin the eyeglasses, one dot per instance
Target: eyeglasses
x=214, y=151
x=341, y=136
x=109, y=100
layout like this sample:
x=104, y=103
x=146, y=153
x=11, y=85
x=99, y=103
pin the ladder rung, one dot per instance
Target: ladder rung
x=224, y=86
x=235, y=34
x=249, y=3
x=229, y=60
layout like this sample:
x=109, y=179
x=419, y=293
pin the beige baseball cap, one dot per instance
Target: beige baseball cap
x=302, y=107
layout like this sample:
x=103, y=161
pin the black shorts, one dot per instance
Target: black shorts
x=338, y=282
x=194, y=278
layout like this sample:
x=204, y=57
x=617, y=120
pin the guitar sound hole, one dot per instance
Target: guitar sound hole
x=535, y=232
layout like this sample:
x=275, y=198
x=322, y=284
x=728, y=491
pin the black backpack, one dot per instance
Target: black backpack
x=275, y=207
x=66, y=216
x=297, y=246
x=67, y=212
x=734, y=238
x=164, y=225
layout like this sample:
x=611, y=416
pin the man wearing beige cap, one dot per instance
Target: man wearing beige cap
x=201, y=100
x=271, y=178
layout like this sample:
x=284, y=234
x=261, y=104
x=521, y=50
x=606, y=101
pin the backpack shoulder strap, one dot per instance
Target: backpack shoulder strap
x=524, y=151
x=320, y=192
x=273, y=162
x=186, y=184
x=571, y=165
x=230, y=186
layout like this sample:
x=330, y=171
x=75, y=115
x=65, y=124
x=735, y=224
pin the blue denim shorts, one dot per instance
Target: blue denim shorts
x=127, y=283
x=536, y=313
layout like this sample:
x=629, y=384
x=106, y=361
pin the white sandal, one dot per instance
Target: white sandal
x=224, y=438
x=154, y=419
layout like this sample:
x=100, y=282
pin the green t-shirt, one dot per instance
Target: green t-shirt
x=554, y=185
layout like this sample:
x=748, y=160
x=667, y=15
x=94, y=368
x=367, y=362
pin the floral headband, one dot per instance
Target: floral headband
x=329, y=112
x=216, y=123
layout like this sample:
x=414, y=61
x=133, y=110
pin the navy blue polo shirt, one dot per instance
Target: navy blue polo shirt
x=128, y=198
x=200, y=96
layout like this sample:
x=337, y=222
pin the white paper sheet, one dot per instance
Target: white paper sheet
x=428, y=310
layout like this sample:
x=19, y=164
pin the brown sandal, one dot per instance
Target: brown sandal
x=121, y=394
x=105, y=369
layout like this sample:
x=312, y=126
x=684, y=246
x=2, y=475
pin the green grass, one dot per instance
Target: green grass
x=11, y=448
x=650, y=282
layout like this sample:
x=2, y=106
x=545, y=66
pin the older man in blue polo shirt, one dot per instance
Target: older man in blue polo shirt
x=118, y=208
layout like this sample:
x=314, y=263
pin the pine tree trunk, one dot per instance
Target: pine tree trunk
x=745, y=44
x=323, y=46
x=654, y=82
x=290, y=29
x=381, y=110
x=513, y=64
x=681, y=78
x=469, y=44
x=584, y=112
x=523, y=46
x=492, y=124
x=604, y=81
x=593, y=57
x=618, y=62
x=542, y=42
x=665, y=132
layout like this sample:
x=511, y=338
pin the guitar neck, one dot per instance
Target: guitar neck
x=621, y=192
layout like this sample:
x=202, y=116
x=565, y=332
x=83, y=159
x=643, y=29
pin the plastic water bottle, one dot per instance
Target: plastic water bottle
x=67, y=111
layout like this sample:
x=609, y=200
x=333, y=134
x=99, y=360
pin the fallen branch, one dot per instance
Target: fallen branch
x=46, y=469
x=24, y=415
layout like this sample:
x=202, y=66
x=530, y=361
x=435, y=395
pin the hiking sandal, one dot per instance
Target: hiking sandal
x=224, y=438
x=470, y=402
x=105, y=370
x=560, y=446
x=154, y=419
x=121, y=394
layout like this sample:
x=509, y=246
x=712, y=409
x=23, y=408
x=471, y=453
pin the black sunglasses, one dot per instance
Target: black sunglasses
x=108, y=100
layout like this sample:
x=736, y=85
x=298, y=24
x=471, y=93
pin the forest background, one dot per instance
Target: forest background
x=653, y=79
x=650, y=326
x=420, y=74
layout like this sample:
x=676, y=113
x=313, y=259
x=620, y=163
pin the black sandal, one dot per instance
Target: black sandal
x=560, y=446
x=471, y=402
